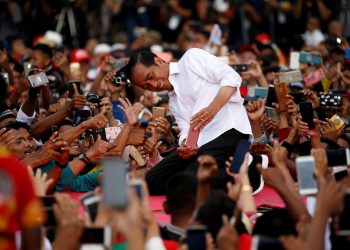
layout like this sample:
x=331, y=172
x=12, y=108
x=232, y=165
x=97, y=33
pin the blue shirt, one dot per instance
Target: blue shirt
x=117, y=112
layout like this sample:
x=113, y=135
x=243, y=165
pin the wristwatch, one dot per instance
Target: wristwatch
x=84, y=159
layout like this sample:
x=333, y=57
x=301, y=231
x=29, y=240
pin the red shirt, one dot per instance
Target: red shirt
x=19, y=206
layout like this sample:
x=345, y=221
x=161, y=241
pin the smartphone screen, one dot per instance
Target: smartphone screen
x=240, y=67
x=260, y=92
x=196, y=239
x=344, y=218
x=338, y=157
x=71, y=88
x=271, y=96
x=90, y=203
x=238, y=157
x=114, y=183
x=192, y=137
x=307, y=114
x=305, y=172
x=262, y=242
x=96, y=235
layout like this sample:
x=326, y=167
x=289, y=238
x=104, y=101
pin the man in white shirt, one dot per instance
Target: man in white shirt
x=204, y=92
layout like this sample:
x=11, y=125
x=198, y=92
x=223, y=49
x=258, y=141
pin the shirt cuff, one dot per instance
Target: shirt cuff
x=22, y=117
x=154, y=243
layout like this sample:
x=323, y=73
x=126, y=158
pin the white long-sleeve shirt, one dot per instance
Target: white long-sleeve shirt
x=196, y=80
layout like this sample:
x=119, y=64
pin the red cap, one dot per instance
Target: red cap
x=263, y=38
x=79, y=55
x=170, y=245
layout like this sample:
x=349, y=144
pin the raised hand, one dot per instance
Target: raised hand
x=98, y=149
x=255, y=109
x=40, y=181
x=130, y=114
x=6, y=137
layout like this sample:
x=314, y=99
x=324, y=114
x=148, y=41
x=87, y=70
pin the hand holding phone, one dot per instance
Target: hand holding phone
x=305, y=172
x=238, y=157
x=37, y=80
x=192, y=137
x=307, y=114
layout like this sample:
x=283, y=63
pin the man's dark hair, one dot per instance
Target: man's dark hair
x=144, y=57
x=46, y=50
x=18, y=125
x=211, y=211
x=275, y=223
x=181, y=191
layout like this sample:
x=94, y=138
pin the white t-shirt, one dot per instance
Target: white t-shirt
x=196, y=80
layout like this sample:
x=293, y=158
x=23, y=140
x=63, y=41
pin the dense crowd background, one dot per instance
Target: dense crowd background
x=63, y=130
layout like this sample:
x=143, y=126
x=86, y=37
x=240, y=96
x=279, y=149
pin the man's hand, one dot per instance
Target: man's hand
x=40, y=181
x=70, y=228
x=186, y=152
x=330, y=190
x=6, y=137
x=328, y=130
x=272, y=176
x=321, y=160
x=227, y=238
x=78, y=101
x=137, y=136
x=312, y=97
x=202, y=118
x=49, y=151
x=99, y=149
x=130, y=114
x=207, y=169
x=97, y=122
x=163, y=126
x=255, y=109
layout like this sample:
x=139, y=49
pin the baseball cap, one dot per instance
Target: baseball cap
x=79, y=55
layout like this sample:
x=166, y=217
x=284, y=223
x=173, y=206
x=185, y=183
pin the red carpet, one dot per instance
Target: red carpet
x=267, y=196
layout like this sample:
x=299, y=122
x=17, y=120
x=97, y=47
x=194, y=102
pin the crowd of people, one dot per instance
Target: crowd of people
x=172, y=92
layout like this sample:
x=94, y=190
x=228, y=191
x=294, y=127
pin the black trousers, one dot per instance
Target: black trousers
x=220, y=148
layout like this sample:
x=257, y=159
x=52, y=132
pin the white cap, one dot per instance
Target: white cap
x=118, y=46
x=54, y=36
x=102, y=48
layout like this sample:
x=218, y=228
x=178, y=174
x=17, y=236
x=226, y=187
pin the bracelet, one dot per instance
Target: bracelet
x=247, y=188
x=61, y=166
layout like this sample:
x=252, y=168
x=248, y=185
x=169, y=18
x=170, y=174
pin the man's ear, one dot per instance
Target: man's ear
x=165, y=207
x=158, y=60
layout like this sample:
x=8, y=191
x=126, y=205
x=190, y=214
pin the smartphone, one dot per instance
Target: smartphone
x=291, y=76
x=306, y=57
x=158, y=112
x=50, y=217
x=271, y=113
x=196, y=239
x=314, y=77
x=344, y=218
x=305, y=173
x=238, y=157
x=281, y=91
x=192, y=137
x=338, y=157
x=338, y=122
x=240, y=67
x=137, y=185
x=298, y=97
x=339, y=175
x=111, y=133
x=271, y=96
x=114, y=183
x=262, y=242
x=38, y=80
x=48, y=201
x=260, y=92
x=71, y=88
x=6, y=77
x=307, y=114
x=330, y=99
x=90, y=203
x=134, y=153
x=294, y=60
x=97, y=235
x=28, y=67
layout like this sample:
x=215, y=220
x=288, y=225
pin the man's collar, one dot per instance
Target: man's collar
x=174, y=68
